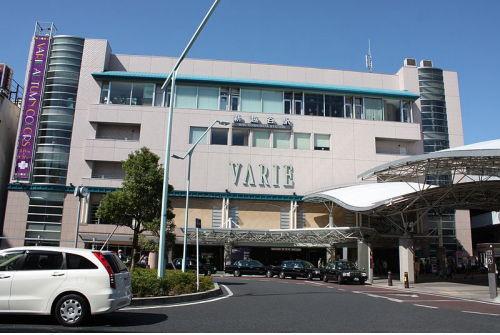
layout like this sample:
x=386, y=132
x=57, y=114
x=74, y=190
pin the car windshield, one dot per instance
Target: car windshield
x=346, y=265
x=9, y=261
x=255, y=263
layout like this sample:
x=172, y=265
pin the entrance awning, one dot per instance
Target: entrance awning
x=281, y=237
x=366, y=197
x=395, y=198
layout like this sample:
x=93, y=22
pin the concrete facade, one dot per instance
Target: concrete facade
x=9, y=120
x=103, y=135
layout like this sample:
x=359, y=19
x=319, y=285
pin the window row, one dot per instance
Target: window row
x=258, y=101
x=260, y=138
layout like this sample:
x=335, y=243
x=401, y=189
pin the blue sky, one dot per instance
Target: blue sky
x=457, y=35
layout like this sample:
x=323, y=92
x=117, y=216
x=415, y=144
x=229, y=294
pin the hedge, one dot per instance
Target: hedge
x=145, y=283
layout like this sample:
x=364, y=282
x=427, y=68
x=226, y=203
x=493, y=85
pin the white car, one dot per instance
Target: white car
x=68, y=283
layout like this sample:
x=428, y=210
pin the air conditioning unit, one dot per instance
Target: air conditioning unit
x=426, y=63
x=410, y=62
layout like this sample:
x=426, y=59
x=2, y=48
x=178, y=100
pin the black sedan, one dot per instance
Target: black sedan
x=343, y=272
x=246, y=267
x=299, y=268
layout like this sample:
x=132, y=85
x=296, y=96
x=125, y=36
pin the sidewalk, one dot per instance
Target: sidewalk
x=455, y=290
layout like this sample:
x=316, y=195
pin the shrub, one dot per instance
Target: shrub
x=146, y=284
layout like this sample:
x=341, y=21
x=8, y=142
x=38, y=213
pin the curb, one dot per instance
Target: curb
x=167, y=300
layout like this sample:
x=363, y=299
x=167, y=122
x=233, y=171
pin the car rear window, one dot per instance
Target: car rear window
x=115, y=262
x=77, y=262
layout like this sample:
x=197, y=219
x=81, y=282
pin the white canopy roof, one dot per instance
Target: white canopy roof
x=364, y=197
x=487, y=145
x=478, y=156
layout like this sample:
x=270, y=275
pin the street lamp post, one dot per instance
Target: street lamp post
x=189, y=154
x=171, y=79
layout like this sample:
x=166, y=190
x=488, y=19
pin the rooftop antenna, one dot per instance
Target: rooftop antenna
x=368, y=58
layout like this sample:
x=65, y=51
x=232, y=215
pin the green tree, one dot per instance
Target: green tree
x=137, y=204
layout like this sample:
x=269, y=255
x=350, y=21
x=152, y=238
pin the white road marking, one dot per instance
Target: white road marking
x=433, y=307
x=404, y=295
x=438, y=295
x=373, y=291
x=433, y=300
x=229, y=294
x=381, y=296
x=341, y=289
x=474, y=312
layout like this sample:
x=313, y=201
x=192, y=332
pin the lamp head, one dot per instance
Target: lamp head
x=223, y=123
x=176, y=157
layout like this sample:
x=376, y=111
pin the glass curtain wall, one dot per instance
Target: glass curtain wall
x=43, y=224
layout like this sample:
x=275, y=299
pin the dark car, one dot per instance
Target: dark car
x=206, y=268
x=273, y=270
x=343, y=272
x=246, y=267
x=299, y=268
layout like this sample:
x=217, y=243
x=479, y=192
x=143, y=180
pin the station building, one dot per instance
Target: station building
x=293, y=131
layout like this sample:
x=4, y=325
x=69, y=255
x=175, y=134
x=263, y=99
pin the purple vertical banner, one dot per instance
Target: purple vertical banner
x=31, y=108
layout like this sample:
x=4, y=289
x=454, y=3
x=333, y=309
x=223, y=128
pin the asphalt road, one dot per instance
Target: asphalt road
x=273, y=305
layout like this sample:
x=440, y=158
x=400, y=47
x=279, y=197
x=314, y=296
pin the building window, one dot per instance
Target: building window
x=229, y=99
x=125, y=93
x=358, y=108
x=107, y=170
x=292, y=103
x=113, y=131
x=374, y=109
x=251, y=101
x=104, y=93
x=406, y=111
x=334, y=105
x=185, y=97
x=142, y=94
x=207, y=98
x=159, y=96
x=302, y=141
x=348, y=107
x=322, y=142
x=392, y=110
x=195, y=133
x=298, y=99
x=261, y=138
x=219, y=136
x=235, y=99
x=313, y=104
x=240, y=137
x=120, y=93
x=281, y=140
x=272, y=102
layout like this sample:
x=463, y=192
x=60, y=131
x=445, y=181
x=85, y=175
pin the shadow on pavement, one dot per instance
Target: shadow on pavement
x=43, y=323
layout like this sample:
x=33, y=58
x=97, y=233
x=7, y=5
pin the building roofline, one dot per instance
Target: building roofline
x=261, y=83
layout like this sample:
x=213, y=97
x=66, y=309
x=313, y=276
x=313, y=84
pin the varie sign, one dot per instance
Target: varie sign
x=262, y=175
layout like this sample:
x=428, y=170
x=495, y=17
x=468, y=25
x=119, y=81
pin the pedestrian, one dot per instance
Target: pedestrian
x=122, y=256
x=320, y=263
x=143, y=261
x=384, y=266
